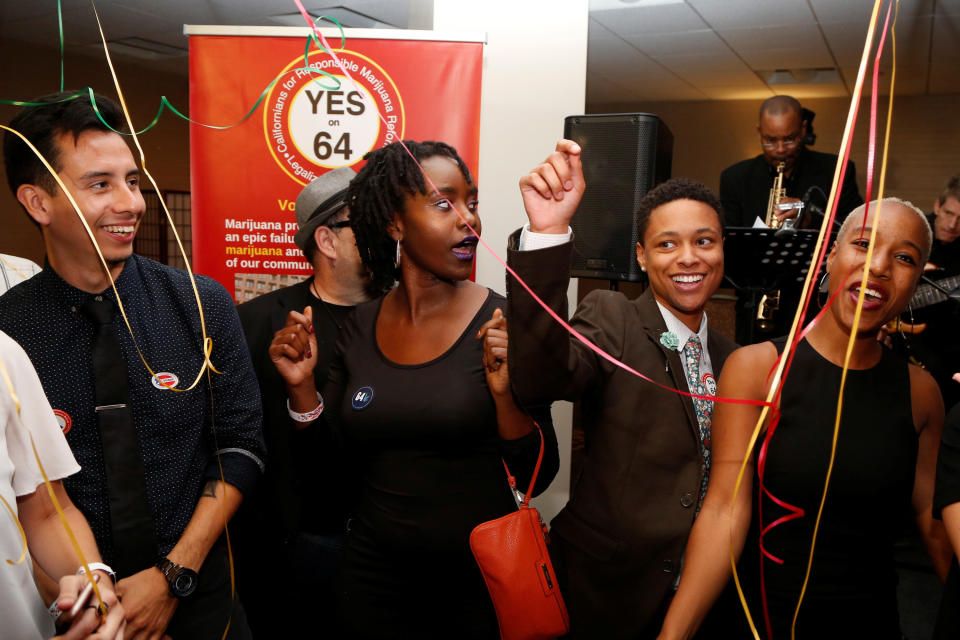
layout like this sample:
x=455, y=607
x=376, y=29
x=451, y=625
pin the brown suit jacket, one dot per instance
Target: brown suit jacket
x=632, y=505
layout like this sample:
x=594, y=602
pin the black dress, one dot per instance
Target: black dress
x=429, y=460
x=852, y=587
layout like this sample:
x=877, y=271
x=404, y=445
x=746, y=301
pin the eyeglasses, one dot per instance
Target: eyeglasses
x=788, y=142
x=338, y=225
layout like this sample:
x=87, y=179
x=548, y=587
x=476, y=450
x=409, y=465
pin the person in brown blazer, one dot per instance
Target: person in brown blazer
x=618, y=543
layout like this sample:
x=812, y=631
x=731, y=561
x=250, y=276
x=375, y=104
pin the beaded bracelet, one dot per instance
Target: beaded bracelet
x=309, y=416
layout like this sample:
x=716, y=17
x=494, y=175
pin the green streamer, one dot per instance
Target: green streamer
x=165, y=104
x=60, y=24
x=23, y=103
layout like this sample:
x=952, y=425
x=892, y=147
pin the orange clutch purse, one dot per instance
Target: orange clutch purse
x=513, y=558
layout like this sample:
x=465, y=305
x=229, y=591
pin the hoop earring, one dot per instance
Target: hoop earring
x=822, y=288
x=396, y=261
x=900, y=324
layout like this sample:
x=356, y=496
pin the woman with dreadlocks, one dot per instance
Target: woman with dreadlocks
x=419, y=394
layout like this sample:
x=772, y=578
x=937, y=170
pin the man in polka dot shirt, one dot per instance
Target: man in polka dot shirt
x=178, y=583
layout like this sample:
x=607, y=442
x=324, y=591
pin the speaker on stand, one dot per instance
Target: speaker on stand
x=624, y=156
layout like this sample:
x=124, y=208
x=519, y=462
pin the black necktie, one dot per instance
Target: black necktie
x=134, y=534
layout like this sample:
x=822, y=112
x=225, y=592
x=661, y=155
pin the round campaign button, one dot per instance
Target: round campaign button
x=64, y=420
x=165, y=380
x=361, y=398
x=710, y=384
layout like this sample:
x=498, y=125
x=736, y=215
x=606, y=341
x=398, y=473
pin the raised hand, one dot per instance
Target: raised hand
x=494, y=336
x=293, y=349
x=552, y=191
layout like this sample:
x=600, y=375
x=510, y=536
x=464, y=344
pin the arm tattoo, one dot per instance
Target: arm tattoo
x=210, y=489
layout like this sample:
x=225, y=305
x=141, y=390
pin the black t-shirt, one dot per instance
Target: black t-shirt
x=425, y=438
x=745, y=186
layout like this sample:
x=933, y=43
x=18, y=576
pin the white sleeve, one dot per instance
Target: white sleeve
x=35, y=416
x=530, y=241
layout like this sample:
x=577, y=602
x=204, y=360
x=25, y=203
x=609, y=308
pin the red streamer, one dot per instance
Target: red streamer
x=796, y=512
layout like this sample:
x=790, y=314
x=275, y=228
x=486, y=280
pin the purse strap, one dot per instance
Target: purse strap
x=533, y=478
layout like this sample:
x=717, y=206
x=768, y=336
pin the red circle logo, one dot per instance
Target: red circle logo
x=312, y=125
x=165, y=380
x=64, y=420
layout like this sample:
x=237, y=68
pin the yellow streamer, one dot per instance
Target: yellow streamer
x=856, y=324
x=819, y=248
x=207, y=341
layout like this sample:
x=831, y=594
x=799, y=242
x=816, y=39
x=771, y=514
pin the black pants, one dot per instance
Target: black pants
x=205, y=614
x=588, y=621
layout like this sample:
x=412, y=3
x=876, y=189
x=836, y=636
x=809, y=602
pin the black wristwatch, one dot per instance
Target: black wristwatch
x=182, y=581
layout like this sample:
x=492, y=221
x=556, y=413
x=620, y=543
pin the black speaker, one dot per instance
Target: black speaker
x=624, y=156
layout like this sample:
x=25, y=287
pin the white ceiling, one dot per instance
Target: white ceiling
x=642, y=50
x=639, y=50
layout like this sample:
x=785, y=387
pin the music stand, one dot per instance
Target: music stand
x=758, y=260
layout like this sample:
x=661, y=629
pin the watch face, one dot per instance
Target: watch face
x=184, y=583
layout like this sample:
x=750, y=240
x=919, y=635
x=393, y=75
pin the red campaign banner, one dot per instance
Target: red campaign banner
x=246, y=179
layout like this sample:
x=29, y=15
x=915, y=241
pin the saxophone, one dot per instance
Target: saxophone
x=777, y=193
x=770, y=302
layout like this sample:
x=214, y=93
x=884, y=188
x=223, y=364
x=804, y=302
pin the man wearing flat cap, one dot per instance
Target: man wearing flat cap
x=294, y=527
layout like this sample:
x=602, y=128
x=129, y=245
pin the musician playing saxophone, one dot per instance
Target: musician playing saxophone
x=784, y=131
x=745, y=192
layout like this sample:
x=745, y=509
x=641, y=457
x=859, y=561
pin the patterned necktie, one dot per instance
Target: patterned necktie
x=692, y=352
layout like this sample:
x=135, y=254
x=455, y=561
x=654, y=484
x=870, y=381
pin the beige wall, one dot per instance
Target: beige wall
x=30, y=72
x=517, y=131
x=710, y=136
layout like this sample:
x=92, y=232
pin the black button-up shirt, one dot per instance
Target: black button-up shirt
x=180, y=433
x=745, y=186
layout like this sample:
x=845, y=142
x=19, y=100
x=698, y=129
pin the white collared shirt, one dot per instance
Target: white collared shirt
x=529, y=240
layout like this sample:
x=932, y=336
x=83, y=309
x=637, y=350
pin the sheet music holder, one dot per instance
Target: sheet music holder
x=758, y=260
x=767, y=258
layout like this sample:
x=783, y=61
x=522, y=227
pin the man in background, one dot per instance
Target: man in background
x=299, y=514
x=785, y=130
x=935, y=316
